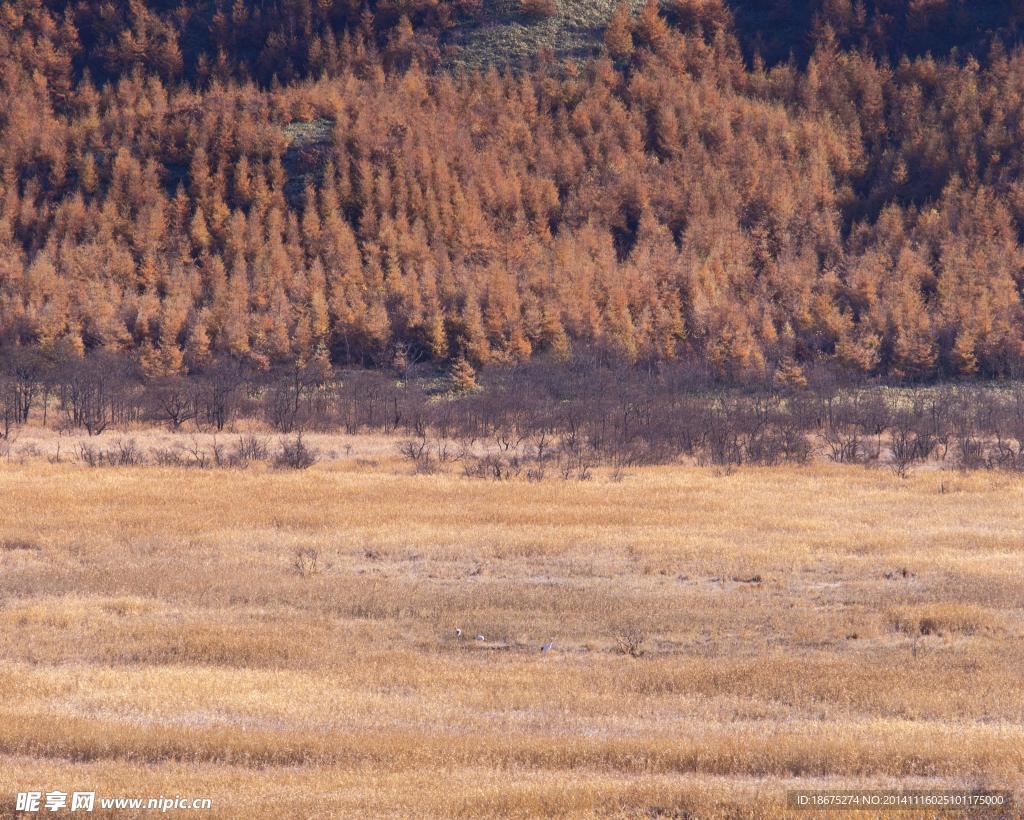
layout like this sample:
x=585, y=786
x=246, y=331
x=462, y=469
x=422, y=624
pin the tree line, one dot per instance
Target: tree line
x=678, y=199
x=533, y=419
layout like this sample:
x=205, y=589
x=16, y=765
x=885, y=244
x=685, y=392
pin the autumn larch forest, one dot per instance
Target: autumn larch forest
x=748, y=187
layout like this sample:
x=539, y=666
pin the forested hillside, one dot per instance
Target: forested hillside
x=751, y=187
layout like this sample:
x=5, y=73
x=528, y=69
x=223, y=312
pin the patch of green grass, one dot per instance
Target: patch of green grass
x=505, y=37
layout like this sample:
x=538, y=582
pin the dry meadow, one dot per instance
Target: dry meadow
x=285, y=642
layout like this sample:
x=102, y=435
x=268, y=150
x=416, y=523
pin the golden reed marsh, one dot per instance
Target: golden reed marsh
x=284, y=642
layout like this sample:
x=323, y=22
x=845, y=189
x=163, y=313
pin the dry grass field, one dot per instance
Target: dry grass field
x=284, y=642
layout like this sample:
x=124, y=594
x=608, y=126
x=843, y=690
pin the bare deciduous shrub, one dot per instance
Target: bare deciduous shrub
x=290, y=399
x=900, y=466
x=10, y=415
x=418, y=453
x=125, y=453
x=443, y=451
x=98, y=391
x=166, y=456
x=26, y=452
x=219, y=453
x=413, y=450
x=89, y=454
x=853, y=424
x=493, y=467
x=122, y=453
x=199, y=457
x=295, y=455
x=575, y=466
x=247, y=450
x=220, y=392
x=173, y=400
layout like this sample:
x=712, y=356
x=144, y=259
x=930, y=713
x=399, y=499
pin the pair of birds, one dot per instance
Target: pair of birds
x=545, y=648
